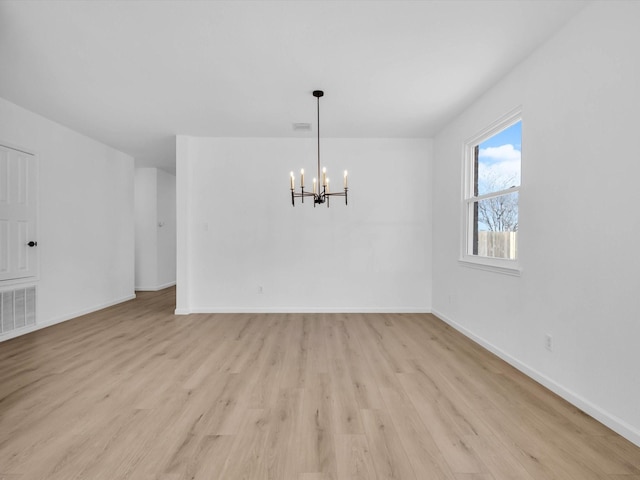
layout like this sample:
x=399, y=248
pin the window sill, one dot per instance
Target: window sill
x=507, y=267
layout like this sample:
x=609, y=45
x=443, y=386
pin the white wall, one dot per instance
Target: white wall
x=238, y=230
x=86, y=232
x=579, y=219
x=155, y=205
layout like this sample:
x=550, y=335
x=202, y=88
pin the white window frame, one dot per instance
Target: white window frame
x=500, y=265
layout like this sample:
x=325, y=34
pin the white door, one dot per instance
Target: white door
x=18, y=242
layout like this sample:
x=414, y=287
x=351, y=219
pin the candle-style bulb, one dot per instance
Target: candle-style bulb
x=315, y=181
x=292, y=181
x=302, y=177
x=345, y=179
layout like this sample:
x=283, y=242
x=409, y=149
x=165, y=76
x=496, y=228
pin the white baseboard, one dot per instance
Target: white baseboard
x=63, y=318
x=187, y=311
x=154, y=288
x=613, y=422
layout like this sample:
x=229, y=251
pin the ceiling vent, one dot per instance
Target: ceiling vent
x=302, y=127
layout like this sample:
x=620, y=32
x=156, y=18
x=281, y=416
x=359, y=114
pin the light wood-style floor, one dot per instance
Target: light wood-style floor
x=135, y=392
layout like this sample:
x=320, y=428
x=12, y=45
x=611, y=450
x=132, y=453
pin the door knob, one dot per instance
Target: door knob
x=33, y=244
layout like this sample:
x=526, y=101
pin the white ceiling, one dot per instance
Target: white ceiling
x=134, y=74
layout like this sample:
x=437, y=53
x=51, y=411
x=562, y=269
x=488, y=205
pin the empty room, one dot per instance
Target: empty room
x=304, y=240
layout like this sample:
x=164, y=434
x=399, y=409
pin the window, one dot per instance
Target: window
x=491, y=195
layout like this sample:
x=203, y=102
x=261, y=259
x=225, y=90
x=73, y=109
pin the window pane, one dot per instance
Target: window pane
x=497, y=165
x=496, y=227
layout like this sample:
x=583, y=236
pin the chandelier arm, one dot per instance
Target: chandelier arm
x=338, y=194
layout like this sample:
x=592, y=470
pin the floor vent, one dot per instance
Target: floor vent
x=17, y=309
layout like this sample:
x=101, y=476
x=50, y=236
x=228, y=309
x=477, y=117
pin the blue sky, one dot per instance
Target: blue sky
x=510, y=136
x=499, y=159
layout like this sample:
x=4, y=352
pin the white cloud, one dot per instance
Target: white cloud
x=500, y=154
x=499, y=167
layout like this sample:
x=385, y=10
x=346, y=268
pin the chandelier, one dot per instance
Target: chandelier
x=320, y=193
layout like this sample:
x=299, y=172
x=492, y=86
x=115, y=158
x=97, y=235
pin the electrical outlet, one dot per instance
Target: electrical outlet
x=548, y=342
